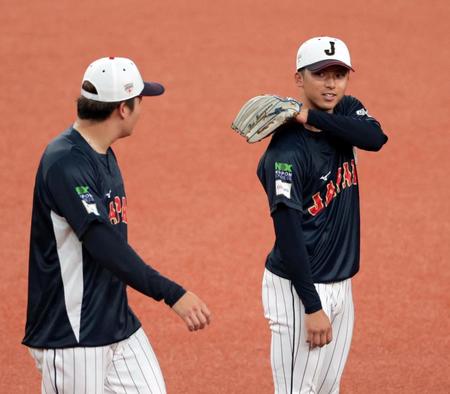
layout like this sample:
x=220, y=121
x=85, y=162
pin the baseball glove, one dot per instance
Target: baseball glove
x=262, y=115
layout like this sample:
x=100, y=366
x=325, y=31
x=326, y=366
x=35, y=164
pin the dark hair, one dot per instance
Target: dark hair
x=97, y=110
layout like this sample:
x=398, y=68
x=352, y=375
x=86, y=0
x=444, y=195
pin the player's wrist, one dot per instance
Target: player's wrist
x=313, y=308
x=302, y=116
x=174, y=293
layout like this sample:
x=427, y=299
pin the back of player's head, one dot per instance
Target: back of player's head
x=97, y=110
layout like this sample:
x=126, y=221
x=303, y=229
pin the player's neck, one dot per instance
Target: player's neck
x=312, y=105
x=99, y=135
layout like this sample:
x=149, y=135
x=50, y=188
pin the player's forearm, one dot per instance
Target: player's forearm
x=291, y=244
x=111, y=251
x=365, y=133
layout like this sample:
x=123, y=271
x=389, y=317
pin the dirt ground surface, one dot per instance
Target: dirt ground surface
x=196, y=209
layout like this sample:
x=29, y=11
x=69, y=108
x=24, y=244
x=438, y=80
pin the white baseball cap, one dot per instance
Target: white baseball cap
x=320, y=52
x=117, y=79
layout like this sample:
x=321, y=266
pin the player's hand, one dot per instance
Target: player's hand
x=193, y=311
x=302, y=117
x=318, y=329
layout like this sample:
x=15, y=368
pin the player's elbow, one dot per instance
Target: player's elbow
x=379, y=142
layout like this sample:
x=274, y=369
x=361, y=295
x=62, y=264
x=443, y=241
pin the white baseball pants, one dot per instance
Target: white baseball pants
x=296, y=368
x=129, y=366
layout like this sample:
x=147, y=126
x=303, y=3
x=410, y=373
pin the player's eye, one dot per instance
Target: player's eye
x=319, y=74
x=340, y=75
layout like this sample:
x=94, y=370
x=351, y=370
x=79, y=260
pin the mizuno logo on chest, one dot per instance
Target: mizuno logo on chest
x=325, y=177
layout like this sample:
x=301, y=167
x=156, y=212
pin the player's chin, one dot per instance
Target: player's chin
x=327, y=105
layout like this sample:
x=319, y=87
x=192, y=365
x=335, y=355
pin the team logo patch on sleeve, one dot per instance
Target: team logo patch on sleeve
x=363, y=112
x=87, y=199
x=283, y=179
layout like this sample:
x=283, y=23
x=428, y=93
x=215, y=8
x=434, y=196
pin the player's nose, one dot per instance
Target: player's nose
x=330, y=81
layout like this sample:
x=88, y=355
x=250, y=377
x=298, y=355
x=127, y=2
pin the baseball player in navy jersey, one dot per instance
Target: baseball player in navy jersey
x=309, y=174
x=80, y=329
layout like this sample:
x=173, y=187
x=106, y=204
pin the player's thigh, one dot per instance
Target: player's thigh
x=134, y=368
x=295, y=367
x=74, y=370
x=337, y=351
x=277, y=300
x=308, y=363
x=39, y=359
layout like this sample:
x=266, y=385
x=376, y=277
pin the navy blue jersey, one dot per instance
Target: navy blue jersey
x=315, y=173
x=74, y=301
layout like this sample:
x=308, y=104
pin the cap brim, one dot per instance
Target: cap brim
x=152, y=89
x=327, y=63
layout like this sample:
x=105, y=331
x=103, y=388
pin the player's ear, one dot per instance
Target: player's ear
x=298, y=79
x=123, y=110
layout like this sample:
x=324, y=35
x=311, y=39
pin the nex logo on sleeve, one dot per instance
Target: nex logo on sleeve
x=283, y=166
x=283, y=179
x=82, y=189
x=87, y=199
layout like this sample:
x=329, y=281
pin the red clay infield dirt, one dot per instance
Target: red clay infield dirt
x=196, y=210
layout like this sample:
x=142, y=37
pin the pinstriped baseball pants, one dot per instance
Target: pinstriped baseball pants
x=129, y=366
x=296, y=368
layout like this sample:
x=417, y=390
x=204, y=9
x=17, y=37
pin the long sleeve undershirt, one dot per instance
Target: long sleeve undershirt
x=290, y=240
x=364, y=133
x=111, y=251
